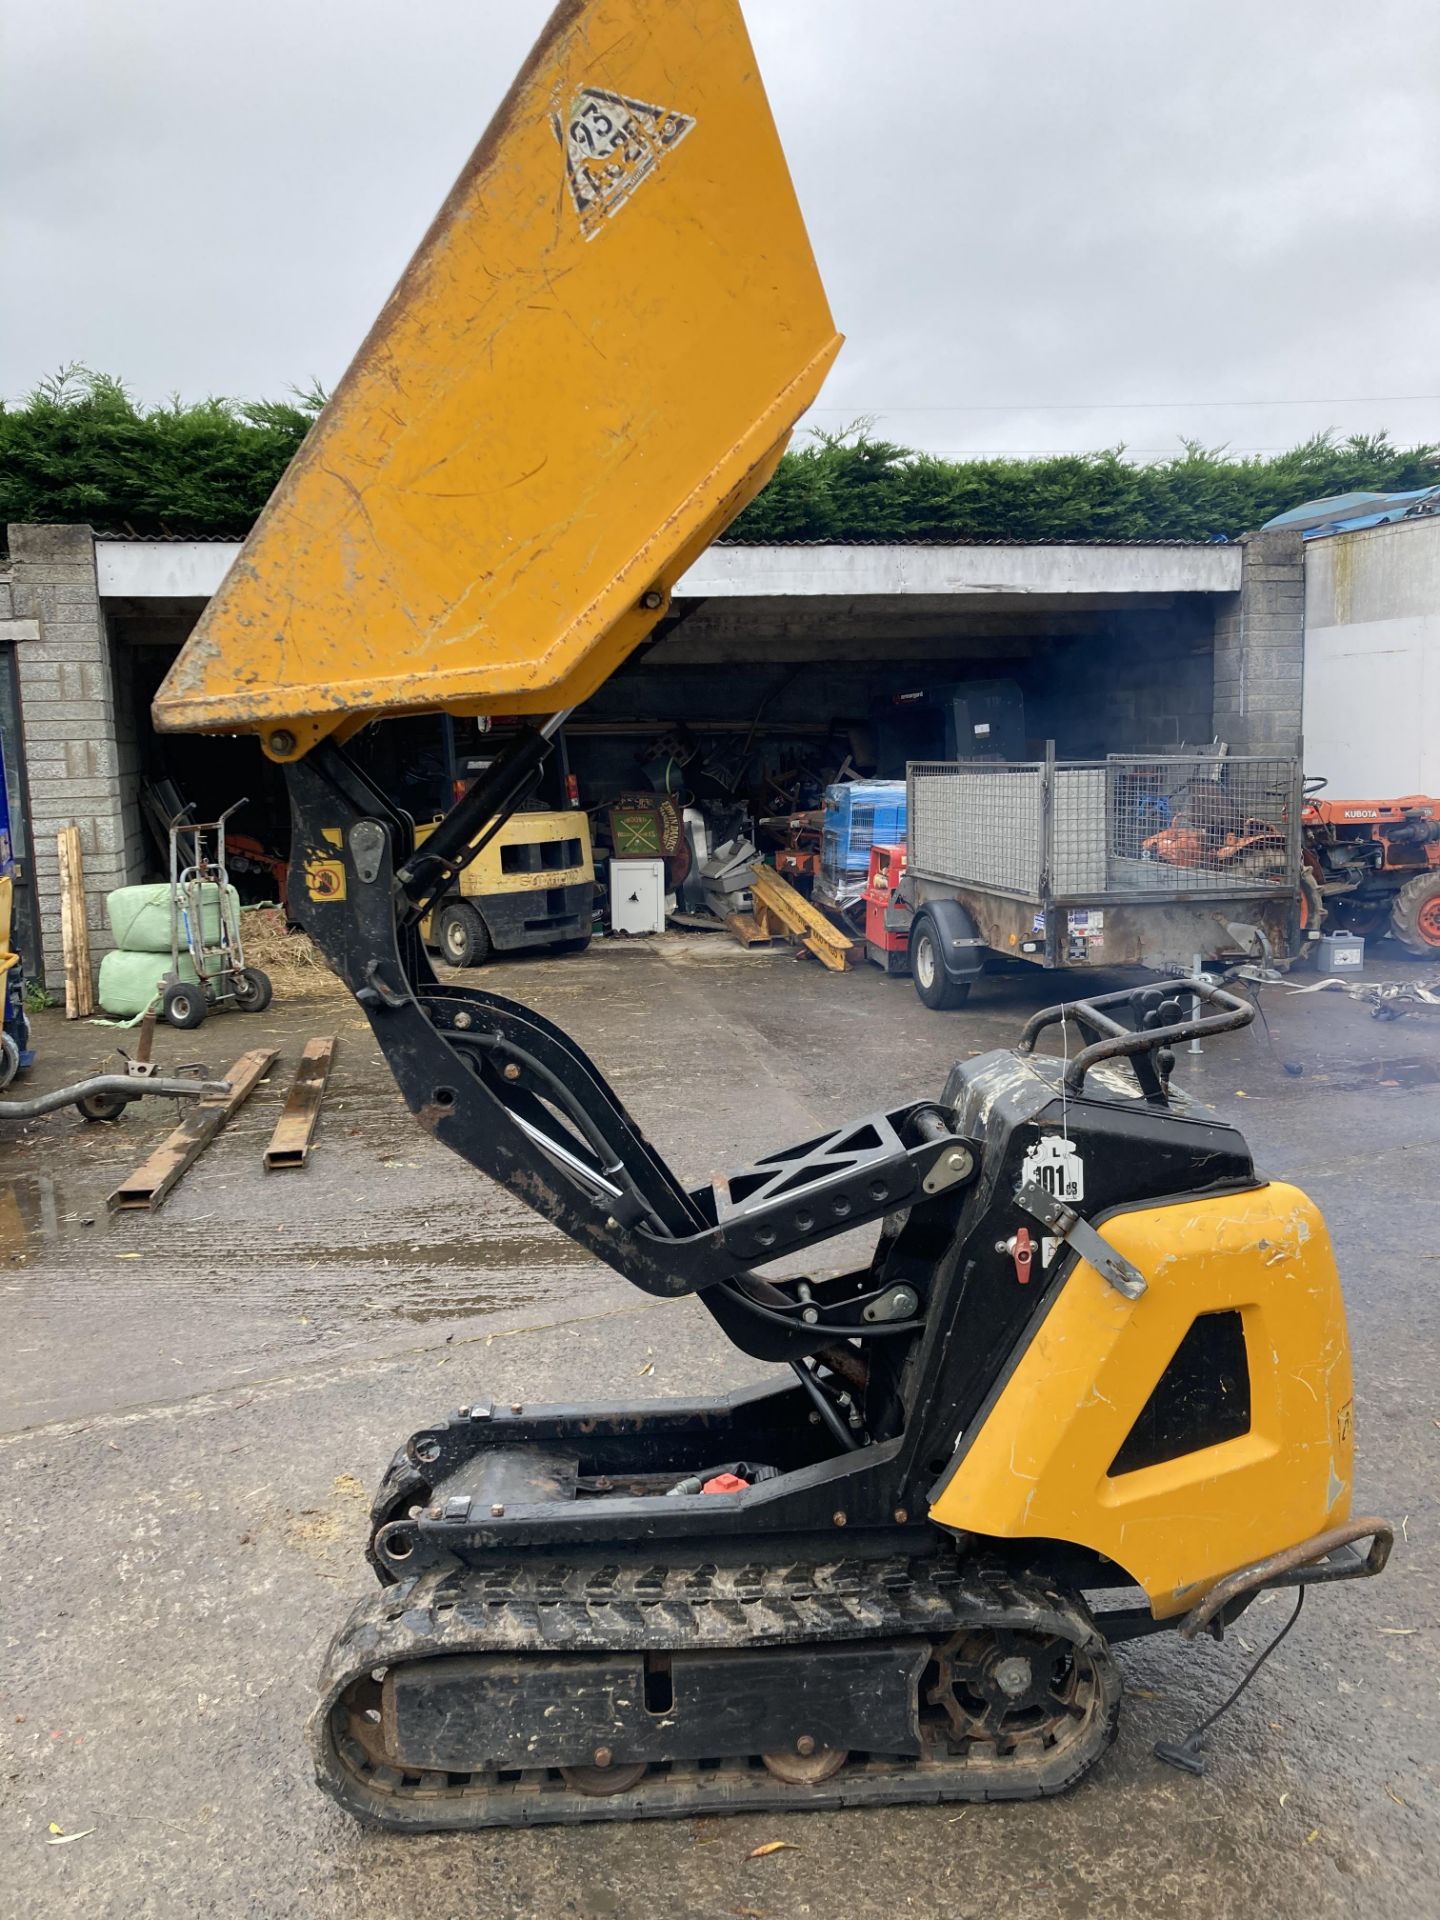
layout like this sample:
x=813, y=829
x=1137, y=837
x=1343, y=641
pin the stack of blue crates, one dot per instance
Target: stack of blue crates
x=859, y=814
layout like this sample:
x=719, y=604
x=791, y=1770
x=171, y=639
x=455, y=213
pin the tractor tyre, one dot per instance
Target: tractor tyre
x=1415, y=915
x=1369, y=922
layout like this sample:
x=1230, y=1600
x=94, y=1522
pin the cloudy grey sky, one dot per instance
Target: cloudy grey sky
x=1031, y=217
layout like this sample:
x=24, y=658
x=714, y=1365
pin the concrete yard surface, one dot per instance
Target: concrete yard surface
x=197, y=1404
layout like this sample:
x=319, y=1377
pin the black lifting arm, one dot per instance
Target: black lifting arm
x=516, y=1097
x=473, y=822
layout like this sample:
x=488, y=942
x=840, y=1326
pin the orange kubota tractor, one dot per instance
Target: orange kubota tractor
x=1373, y=867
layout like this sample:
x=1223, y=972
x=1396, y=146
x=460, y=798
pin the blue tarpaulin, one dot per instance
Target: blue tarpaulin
x=1345, y=512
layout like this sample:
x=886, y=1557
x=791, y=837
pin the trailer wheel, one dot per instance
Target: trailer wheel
x=464, y=940
x=9, y=1059
x=927, y=968
x=183, y=1005
x=101, y=1106
x=1415, y=915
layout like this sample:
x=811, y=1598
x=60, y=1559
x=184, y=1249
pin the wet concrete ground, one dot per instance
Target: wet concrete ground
x=195, y=1405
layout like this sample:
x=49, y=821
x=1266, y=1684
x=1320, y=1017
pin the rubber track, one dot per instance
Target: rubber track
x=540, y=1607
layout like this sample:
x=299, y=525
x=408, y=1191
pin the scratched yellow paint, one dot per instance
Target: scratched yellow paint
x=1038, y=1465
x=591, y=364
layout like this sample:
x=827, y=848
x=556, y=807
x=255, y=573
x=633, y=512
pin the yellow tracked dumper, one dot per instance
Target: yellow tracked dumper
x=1094, y=1380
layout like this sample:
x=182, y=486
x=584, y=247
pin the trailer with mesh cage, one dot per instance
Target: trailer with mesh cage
x=1160, y=861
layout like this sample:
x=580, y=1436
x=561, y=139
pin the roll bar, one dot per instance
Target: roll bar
x=1158, y=1023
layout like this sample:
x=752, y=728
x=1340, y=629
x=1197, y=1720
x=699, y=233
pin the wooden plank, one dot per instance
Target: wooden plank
x=74, y=928
x=805, y=920
x=152, y=1180
x=295, y=1129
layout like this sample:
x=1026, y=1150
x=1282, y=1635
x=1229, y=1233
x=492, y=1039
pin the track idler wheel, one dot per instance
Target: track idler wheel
x=806, y=1765
x=602, y=1781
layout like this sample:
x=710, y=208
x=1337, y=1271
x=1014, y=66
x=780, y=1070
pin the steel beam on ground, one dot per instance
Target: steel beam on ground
x=153, y=1179
x=295, y=1129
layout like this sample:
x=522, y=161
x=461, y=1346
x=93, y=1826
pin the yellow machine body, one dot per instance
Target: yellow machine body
x=1039, y=1463
x=530, y=850
x=591, y=365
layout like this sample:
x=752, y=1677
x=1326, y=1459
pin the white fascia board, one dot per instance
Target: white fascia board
x=193, y=569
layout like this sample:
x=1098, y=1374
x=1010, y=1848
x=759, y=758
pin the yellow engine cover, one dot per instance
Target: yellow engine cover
x=1038, y=1464
x=592, y=363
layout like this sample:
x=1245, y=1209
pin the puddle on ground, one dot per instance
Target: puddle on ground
x=449, y=1279
x=28, y=1213
x=319, y=1283
x=503, y=1253
x=1361, y=1076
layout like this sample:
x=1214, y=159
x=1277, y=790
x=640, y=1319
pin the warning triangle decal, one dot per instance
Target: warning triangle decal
x=611, y=144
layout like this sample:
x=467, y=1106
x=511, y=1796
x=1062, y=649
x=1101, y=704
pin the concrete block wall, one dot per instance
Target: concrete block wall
x=1141, y=680
x=68, y=709
x=1260, y=648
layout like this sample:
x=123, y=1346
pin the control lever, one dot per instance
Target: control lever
x=1067, y=1225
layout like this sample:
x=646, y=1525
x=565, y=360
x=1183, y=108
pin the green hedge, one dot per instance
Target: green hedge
x=80, y=449
x=853, y=487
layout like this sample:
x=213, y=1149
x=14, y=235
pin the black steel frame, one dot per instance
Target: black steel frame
x=514, y=1096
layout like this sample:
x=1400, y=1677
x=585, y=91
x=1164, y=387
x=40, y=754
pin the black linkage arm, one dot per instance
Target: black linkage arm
x=474, y=820
x=516, y=1097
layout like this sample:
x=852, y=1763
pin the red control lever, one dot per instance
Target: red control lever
x=1022, y=1251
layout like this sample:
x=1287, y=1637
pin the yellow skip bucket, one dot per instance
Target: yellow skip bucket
x=590, y=366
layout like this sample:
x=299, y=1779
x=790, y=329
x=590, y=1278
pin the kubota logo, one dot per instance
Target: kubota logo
x=611, y=144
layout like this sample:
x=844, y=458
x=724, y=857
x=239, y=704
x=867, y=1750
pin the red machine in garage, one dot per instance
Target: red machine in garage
x=887, y=917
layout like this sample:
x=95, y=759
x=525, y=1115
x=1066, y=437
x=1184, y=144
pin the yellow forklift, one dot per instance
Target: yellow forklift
x=532, y=882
